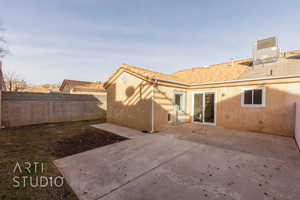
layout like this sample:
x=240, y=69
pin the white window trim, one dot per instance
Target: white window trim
x=184, y=99
x=263, y=103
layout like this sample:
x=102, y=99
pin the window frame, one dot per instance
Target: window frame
x=263, y=100
x=183, y=94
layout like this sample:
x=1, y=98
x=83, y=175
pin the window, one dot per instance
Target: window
x=179, y=101
x=253, y=97
x=257, y=96
x=248, y=96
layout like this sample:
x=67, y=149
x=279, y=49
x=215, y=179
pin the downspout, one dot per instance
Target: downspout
x=152, y=108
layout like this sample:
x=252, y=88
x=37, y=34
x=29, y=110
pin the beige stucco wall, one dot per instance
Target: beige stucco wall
x=129, y=102
x=19, y=108
x=276, y=117
x=66, y=89
x=164, y=105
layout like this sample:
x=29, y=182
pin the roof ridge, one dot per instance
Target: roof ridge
x=78, y=81
x=214, y=65
x=146, y=70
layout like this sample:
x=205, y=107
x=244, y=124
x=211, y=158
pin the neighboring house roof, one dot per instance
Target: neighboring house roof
x=288, y=64
x=39, y=89
x=83, y=85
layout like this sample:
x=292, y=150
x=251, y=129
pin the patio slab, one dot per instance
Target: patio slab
x=95, y=173
x=278, y=147
x=119, y=130
x=211, y=173
x=168, y=166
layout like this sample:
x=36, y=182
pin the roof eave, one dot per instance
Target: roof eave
x=228, y=81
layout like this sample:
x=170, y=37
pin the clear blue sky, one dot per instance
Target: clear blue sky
x=88, y=39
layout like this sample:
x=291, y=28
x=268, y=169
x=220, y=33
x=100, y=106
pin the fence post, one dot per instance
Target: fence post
x=1, y=82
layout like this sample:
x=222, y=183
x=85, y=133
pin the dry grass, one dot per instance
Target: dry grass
x=41, y=143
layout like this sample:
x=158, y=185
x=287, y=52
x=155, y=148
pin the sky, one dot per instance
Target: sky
x=88, y=39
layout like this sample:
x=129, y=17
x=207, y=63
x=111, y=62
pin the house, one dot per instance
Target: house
x=14, y=85
x=44, y=88
x=82, y=87
x=39, y=89
x=249, y=94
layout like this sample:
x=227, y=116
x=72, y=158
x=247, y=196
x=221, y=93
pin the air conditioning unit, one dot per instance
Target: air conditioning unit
x=265, y=51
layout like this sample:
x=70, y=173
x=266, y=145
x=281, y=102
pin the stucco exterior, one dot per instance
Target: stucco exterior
x=66, y=89
x=130, y=104
x=224, y=83
x=276, y=117
x=164, y=101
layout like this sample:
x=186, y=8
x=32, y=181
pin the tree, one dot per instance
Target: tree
x=3, y=52
x=3, y=49
x=13, y=83
x=2, y=85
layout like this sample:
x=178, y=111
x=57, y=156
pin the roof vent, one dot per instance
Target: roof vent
x=265, y=51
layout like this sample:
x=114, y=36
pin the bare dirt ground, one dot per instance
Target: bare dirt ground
x=43, y=144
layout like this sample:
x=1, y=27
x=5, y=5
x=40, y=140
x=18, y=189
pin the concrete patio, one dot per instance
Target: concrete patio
x=186, y=163
x=277, y=147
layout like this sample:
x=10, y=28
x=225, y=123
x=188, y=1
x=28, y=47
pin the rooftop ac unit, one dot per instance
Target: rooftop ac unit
x=265, y=51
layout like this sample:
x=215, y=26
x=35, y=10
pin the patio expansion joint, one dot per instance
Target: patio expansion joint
x=148, y=171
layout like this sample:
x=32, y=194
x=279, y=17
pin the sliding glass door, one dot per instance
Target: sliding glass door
x=204, y=107
x=198, y=108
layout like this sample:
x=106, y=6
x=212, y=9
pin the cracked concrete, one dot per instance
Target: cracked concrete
x=161, y=166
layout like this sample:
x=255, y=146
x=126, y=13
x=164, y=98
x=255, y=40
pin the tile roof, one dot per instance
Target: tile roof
x=82, y=84
x=219, y=72
x=142, y=72
x=150, y=74
x=214, y=73
x=39, y=89
x=227, y=71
